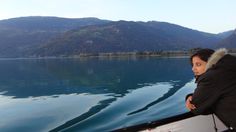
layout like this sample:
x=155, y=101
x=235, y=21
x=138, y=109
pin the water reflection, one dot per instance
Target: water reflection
x=33, y=78
x=128, y=88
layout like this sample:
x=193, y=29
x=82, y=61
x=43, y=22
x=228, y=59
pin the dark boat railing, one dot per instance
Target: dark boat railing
x=154, y=124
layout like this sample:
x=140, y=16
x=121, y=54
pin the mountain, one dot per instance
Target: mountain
x=193, y=38
x=126, y=36
x=35, y=23
x=54, y=36
x=17, y=35
x=229, y=42
x=225, y=34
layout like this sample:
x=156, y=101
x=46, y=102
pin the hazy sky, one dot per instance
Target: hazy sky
x=212, y=16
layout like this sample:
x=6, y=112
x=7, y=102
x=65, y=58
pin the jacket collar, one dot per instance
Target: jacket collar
x=215, y=57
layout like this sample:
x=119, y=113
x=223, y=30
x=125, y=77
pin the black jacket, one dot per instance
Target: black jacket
x=216, y=88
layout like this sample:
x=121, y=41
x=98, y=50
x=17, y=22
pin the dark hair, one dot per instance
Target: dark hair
x=203, y=54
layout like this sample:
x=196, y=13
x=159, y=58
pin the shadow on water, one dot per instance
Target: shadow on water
x=115, y=78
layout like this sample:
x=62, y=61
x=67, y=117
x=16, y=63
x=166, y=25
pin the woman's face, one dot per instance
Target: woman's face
x=199, y=66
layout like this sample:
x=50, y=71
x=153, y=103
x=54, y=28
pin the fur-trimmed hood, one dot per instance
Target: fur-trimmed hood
x=215, y=57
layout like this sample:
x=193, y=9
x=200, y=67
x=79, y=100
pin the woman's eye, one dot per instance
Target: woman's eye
x=198, y=64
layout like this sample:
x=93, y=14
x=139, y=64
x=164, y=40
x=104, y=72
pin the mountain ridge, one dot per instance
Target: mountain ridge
x=228, y=42
x=126, y=36
x=55, y=36
x=18, y=35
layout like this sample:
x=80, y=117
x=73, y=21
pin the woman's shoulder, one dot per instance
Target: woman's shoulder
x=228, y=60
x=209, y=76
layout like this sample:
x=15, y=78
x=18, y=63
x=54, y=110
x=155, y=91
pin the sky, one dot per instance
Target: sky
x=212, y=16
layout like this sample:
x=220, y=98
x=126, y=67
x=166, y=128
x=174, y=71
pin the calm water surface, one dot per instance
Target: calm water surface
x=90, y=94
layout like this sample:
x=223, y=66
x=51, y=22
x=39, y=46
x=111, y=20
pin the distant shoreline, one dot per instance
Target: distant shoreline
x=99, y=57
x=165, y=54
x=172, y=54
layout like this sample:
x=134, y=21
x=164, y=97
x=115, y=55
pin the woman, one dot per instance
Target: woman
x=215, y=74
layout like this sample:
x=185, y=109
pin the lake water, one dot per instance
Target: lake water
x=96, y=94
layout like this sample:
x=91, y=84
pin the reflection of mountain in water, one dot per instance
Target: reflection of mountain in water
x=25, y=78
x=114, y=78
